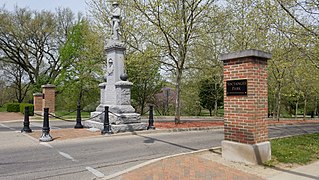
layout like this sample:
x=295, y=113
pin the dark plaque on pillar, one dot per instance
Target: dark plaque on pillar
x=236, y=87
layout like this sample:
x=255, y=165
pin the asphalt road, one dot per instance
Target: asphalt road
x=22, y=157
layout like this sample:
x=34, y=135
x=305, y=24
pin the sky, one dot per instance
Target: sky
x=74, y=5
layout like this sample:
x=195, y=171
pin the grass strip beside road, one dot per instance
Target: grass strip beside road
x=72, y=115
x=301, y=149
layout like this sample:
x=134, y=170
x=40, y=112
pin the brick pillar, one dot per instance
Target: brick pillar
x=37, y=102
x=48, y=101
x=246, y=107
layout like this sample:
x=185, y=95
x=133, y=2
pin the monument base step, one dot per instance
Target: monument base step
x=117, y=118
x=116, y=128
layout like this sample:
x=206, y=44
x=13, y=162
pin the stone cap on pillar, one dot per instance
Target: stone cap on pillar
x=123, y=84
x=112, y=45
x=48, y=86
x=37, y=94
x=246, y=53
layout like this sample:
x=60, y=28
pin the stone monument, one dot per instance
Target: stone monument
x=116, y=91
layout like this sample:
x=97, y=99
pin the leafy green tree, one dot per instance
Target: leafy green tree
x=31, y=39
x=15, y=77
x=144, y=72
x=305, y=14
x=211, y=94
x=81, y=59
x=173, y=27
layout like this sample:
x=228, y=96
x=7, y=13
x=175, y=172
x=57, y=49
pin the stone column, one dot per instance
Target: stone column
x=123, y=92
x=48, y=101
x=100, y=108
x=102, y=89
x=115, y=68
x=37, y=102
x=246, y=107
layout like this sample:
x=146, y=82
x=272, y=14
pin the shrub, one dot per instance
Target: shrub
x=31, y=108
x=13, y=107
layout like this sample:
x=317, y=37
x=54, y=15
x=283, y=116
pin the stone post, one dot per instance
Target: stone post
x=115, y=67
x=37, y=102
x=123, y=92
x=48, y=101
x=246, y=107
x=102, y=89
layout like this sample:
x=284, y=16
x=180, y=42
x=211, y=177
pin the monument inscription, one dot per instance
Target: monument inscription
x=236, y=87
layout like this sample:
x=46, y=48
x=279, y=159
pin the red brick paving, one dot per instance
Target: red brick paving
x=63, y=134
x=190, y=167
x=9, y=116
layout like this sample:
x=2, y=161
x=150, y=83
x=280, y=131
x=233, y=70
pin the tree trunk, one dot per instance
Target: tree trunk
x=178, y=97
x=278, y=106
x=216, y=101
x=305, y=109
x=142, y=109
x=316, y=108
x=216, y=108
x=273, y=108
x=296, y=112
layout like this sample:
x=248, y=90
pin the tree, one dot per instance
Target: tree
x=306, y=14
x=143, y=68
x=31, y=40
x=81, y=61
x=211, y=94
x=173, y=26
x=16, y=78
x=6, y=92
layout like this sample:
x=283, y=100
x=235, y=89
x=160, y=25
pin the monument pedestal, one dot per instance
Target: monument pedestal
x=116, y=94
x=117, y=128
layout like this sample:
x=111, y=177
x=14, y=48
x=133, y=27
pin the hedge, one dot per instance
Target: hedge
x=13, y=107
x=31, y=108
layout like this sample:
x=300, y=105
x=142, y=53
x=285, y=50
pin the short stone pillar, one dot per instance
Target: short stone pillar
x=37, y=102
x=246, y=107
x=48, y=100
x=123, y=92
x=102, y=89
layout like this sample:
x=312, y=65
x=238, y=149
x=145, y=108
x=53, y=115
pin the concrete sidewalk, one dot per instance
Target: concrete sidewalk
x=307, y=172
x=208, y=164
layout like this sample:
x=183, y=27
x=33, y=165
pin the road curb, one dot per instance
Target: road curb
x=166, y=131
x=296, y=124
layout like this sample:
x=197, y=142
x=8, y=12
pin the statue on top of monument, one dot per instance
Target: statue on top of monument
x=116, y=13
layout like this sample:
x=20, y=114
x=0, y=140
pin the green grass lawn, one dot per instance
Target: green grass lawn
x=205, y=112
x=70, y=115
x=3, y=109
x=301, y=149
